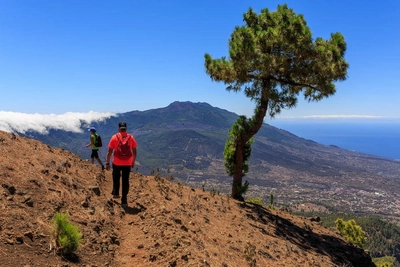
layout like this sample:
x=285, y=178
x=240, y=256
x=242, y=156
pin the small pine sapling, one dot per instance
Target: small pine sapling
x=67, y=235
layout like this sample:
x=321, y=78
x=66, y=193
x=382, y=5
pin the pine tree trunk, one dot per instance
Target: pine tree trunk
x=256, y=123
x=238, y=173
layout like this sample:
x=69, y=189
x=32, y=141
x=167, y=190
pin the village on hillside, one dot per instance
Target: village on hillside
x=295, y=195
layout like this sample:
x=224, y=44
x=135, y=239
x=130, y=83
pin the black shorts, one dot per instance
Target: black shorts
x=95, y=154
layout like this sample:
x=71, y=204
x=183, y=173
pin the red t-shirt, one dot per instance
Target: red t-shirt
x=114, y=144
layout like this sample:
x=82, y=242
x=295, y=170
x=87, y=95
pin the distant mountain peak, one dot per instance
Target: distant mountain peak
x=179, y=105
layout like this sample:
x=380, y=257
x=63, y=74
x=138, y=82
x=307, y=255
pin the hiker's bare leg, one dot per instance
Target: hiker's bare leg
x=99, y=161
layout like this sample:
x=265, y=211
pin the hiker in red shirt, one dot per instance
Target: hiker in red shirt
x=123, y=146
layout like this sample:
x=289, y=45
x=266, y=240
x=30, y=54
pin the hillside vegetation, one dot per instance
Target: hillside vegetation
x=383, y=237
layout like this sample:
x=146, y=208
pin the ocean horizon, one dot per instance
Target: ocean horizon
x=376, y=138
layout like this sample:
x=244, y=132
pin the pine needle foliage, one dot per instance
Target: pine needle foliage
x=230, y=148
x=256, y=200
x=271, y=202
x=68, y=236
x=351, y=231
x=386, y=261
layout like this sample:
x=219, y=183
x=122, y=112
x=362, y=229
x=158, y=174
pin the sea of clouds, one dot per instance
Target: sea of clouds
x=42, y=123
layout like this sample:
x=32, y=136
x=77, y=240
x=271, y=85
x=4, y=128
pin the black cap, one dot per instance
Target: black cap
x=122, y=125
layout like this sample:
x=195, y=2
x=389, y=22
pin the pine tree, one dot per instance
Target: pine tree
x=273, y=58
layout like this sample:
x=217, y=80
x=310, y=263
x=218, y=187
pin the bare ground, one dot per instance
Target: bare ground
x=165, y=224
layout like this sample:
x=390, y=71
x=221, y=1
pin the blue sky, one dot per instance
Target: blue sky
x=59, y=58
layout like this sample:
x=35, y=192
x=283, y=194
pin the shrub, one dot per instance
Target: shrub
x=255, y=200
x=67, y=235
x=271, y=202
x=243, y=188
x=351, y=231
x=386, y=261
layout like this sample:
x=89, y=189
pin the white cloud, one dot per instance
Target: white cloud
x=42, y=123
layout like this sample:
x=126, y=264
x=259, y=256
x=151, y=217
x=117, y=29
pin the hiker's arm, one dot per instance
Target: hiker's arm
x=134, y=156
x=109, y=153
x=91, y=141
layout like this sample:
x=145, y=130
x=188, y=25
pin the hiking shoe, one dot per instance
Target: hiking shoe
x=102, y=167
x=124, y=205
x=116, y=196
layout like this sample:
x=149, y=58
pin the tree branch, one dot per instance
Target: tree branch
x=290, y=82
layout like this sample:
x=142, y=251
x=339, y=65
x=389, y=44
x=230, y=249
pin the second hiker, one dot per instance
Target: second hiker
x=123, y=148
x=95, y=149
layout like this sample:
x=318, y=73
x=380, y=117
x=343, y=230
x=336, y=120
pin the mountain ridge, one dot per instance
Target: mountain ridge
x=187, y=139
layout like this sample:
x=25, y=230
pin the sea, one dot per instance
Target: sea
x=376, y=138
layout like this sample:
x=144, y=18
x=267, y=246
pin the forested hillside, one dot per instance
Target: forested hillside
x=383, y=237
